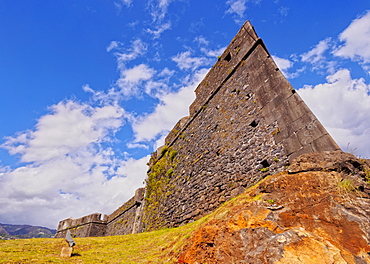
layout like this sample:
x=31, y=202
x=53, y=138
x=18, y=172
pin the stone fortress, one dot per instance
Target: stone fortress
x=246, y=122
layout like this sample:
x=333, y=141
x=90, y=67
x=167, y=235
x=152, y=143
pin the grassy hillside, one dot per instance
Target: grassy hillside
x=152, y=247
x=162, y=246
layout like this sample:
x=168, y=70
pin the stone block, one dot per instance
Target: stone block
x=286, y=128
x=269, y=111
x=66, y=252
x=325, y=142
x=303, y=150
x=310, y=132
x=291, y=144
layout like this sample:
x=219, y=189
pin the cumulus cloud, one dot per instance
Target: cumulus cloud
x=237, y=7
x=171, y=108
x=356, y=38
x=315, y=55
x=185, y=61
x=283, y=64
x=342, y=104
x=70, y=167
x=138, y=73
x=213, y=53
x=69, y=127
x=137, y=48
x=131, y=78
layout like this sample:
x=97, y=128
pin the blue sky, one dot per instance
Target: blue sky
x=89, y=88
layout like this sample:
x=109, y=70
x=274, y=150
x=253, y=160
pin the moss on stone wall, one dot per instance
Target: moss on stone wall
x=158, y=187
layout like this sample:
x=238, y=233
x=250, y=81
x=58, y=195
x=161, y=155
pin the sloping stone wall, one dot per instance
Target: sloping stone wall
x=246, y=122
x=125, y=220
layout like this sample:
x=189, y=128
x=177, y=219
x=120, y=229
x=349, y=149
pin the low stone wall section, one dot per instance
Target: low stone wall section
x=125, y=220
x=92, y=225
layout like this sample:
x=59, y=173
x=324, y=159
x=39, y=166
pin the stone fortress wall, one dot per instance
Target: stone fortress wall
x=125, y=220
x=246, y=122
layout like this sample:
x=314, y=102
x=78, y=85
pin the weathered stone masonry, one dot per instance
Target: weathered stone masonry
x=246, y=122
x=125, y=220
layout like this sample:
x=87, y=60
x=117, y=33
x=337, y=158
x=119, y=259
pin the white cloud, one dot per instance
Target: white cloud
x=127, y=2
x=283, y=64
x=319, y=58
x=283, y=11
x=138, y=73
x=159, y=9
x=69, y=127
x=356, y=38
x=130, y=79
x=137, y=48
x=315, y=55
x=132, y=145
x=113, y=45
x=343, y=106
x=70, y=170
x=172, y=107
x=201, y=40
x=185, y=61
x=166, y=73
x=213, y=53
x=159, y=29
x=120, y=3
x=237, y=7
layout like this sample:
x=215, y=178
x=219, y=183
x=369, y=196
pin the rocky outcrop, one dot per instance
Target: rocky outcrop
x=318, y=211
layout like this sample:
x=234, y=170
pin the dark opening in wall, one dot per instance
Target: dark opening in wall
x=265, y=164
x=228, y=57
x=254, y=123
x=293, y=91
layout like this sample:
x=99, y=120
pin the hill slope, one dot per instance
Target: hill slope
x=317, y=211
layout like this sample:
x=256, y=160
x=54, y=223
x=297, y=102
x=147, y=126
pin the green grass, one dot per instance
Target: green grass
x=152, y=247
x=162, y=246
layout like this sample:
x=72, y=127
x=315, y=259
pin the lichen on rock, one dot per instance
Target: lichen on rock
x=303, y=216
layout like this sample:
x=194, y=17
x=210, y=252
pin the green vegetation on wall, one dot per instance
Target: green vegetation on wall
x=158, y=187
